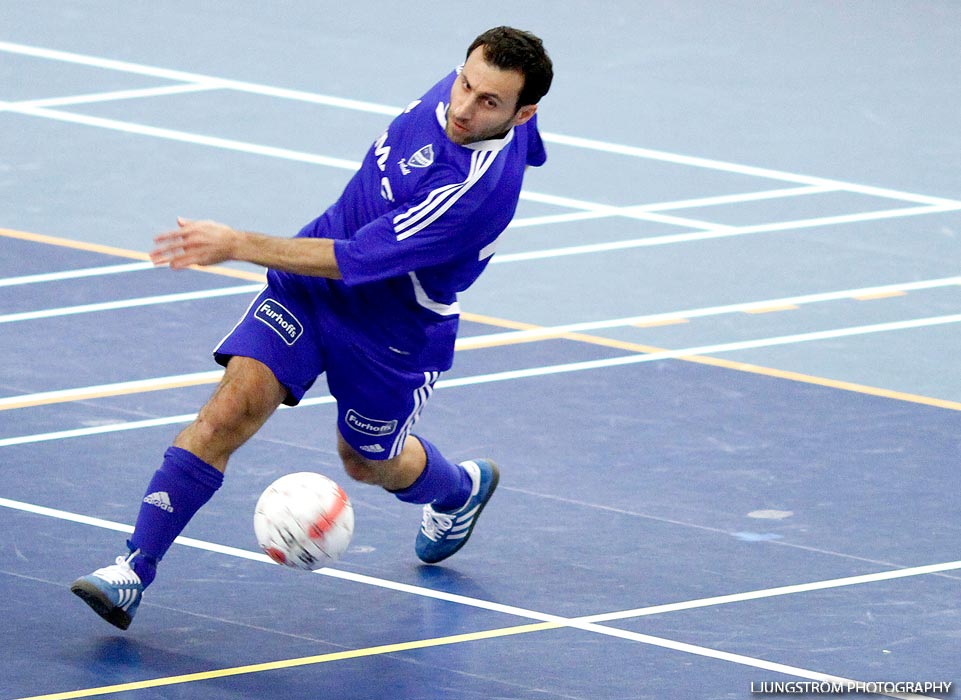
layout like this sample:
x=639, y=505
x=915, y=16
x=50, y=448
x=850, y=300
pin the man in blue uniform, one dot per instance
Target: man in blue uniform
x=367, y=294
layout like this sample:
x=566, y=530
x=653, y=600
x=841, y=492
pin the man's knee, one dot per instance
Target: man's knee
x=358, y=467
x=246, y=396
x=392, y=474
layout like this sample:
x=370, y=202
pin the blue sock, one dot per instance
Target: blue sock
x=177, y=491
x=443, y=484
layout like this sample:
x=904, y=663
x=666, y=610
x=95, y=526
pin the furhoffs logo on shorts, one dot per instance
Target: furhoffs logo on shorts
x=279, y=318
x=369, y=426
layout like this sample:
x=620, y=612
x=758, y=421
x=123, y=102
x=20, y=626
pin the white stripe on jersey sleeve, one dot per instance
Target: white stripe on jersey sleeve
x=480, y=164
x=428, y=202
x=433, y=200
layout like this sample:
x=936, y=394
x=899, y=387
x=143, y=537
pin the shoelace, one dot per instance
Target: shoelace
x=120, y=572
x=435, y=525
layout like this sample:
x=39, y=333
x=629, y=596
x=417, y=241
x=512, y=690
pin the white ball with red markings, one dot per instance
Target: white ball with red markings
x=304, y=521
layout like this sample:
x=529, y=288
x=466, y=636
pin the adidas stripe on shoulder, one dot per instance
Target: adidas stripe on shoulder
x=443, y=198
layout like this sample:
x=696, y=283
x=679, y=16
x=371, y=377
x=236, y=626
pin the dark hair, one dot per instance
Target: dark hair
x=512, y=49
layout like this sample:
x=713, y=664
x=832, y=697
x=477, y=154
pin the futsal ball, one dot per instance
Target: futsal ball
x=304, y=521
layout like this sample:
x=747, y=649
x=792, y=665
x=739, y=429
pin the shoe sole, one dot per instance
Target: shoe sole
x=495, y=478
x=95, y=598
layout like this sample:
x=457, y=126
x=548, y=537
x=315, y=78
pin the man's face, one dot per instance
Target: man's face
x=483, y=101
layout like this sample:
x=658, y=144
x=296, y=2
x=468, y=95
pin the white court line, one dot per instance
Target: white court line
x=286, y=154
x=634, y=211
x=186, y=137
x=708, y=230
x=370, y=107
x=710, y=164
x=184, y=76
x=776, y=592
x=97, y=97
x=702, y=312
x=510, y=375
x=100, y=430
x=734, y=198
x=506, y=336
x=721, y=232
x=76, y=274
x=588, y=623
x=130, y=303
x=112, y=389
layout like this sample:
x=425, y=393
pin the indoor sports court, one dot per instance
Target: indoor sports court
x=715, y=355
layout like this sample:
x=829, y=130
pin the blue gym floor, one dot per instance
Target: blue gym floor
x=716, y=354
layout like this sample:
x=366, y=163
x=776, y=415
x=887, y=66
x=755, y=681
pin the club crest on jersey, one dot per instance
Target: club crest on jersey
x=280, y=320
x=424, y=158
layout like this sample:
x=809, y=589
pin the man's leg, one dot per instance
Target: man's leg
x=453, y=494
x=391, y=474
x=193, y=467
x=246, y=397
x=191, y=472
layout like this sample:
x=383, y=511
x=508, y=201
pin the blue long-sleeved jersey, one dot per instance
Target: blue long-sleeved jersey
x=417, y=224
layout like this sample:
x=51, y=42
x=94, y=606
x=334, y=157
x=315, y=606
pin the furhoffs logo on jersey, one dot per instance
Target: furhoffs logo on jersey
x=424, y=158
x=370, y=426
x=280, y=320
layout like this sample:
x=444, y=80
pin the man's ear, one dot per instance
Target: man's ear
x=524, y=114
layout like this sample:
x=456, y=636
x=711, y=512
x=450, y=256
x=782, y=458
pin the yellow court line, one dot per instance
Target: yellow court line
x=778, y=373
x=822, y=381
x=77, y=245
x=113, y=390
x=302, y=661
x=519, y=325
x=500, y=322
x=121, y=253
x=881, y=295
x=771, y=309
x=785, y=374
x=663, y=322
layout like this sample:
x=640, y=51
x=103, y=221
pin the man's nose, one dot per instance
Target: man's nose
x=462, y=111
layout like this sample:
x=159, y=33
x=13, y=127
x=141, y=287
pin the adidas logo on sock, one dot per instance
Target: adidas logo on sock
x=159, y=499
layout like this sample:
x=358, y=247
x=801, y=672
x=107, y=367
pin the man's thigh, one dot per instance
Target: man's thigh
x=280, y=330
x=377, y=403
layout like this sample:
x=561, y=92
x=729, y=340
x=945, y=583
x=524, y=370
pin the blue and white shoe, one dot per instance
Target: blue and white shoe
x=444, y=532
x=114, y=592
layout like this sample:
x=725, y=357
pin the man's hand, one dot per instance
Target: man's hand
x=195, y=243
x=209, y=243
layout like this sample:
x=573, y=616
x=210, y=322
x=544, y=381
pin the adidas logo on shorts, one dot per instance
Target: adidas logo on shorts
x=160, y=499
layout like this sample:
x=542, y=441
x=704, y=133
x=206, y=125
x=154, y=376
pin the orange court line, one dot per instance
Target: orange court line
x=121, y=253
x=115, y=390
x=77, y=245
x=519, y=325
x=880, y=295
x=662, y=322
x=772, y=309
x=284, y=664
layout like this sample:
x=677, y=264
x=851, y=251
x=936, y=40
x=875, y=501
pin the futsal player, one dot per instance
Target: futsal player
x=366, y=294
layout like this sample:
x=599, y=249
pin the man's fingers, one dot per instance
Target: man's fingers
x=169, y=246
x=168, y=239
x=193, y=243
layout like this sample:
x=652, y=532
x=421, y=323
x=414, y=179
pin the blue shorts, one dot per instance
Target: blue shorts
x=299, y=338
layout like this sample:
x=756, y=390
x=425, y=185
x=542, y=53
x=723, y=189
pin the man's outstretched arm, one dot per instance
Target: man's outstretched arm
x=209, y=243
